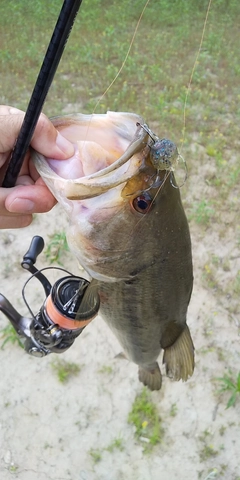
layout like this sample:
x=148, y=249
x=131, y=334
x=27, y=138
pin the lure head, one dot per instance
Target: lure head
x=163, y=154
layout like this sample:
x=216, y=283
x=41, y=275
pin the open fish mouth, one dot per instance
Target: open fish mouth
x=109, y=150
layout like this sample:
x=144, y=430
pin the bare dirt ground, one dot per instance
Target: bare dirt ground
x=71, y=431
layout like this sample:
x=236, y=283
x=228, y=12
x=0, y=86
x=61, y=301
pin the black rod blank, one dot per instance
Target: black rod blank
x=49, y=66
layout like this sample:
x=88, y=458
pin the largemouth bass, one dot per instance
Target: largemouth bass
x=129, y=231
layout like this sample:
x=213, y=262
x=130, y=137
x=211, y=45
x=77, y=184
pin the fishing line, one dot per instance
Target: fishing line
x=185, y=104
x=187, y=92
x=192, y=73
x=126, y=56
x=123, y=63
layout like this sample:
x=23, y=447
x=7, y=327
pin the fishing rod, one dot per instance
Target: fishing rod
x=48, y=69
x=64, y=313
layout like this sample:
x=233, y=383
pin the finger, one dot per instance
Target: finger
x=54, y=144
x=29, y=199
x=15, y=221
x=46, y=139
x=10, y=123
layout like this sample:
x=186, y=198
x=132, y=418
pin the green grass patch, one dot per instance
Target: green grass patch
x=232, y=386
x=156, y=72
x=202, y=212
x=56, y=248
x=116, y=444
x=207, y=452
x=144, y=416
x=96, y=455
x=8, y=334
x=65, y=370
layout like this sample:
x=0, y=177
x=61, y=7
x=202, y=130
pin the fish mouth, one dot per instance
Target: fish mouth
x=109, y=150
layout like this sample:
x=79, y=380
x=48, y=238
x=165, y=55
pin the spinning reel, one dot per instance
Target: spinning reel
x=67, y=309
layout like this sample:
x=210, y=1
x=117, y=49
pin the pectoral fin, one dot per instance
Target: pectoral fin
x=179, y=357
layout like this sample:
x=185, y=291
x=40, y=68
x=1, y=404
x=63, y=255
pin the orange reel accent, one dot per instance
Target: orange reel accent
x=61, y=320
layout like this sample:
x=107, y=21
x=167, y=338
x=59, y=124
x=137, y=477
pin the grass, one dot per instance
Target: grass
x=212, y=474
x=163, y=54
x=154, y=79
x=106, y=369
x=232, y=386
x=207, y=450
x=145, y=418
x=116, y=444
x=173, y=410
x=8, y=334
x=96, y=455
x=56, y=248
x=202, y=212
x=209, y=276
x=65, y=370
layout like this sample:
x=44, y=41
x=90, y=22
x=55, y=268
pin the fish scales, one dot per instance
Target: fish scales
x=129, y=231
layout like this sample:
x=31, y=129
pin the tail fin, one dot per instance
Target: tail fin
x=179, y=358
x=151, y=377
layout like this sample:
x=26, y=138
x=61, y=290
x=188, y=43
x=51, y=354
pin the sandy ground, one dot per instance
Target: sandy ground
x=52, y=430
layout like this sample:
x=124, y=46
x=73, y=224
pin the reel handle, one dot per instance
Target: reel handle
x=29, y=259
x=36, y=247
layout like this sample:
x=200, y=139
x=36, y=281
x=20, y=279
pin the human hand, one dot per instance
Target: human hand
x=30, y=195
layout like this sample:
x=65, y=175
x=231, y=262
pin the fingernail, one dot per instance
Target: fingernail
x=64, y=145
x=21, y=205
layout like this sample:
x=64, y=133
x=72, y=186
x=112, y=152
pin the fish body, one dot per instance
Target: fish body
x=131, y=235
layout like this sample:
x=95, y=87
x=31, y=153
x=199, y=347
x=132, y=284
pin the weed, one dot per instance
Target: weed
x=212, y=474
x=145, y=418
x=204, y=435
x=230, y=385
x=207, y=452
x=96, y=455
x=221, y=354
x=208, y=276
x=13, y=468
x=106, y=369
x=222, y=430
x=173, y=410
x=47, y=445
x=215, y=260
x=65, y=370
x=56, y=248
x=9, y=334
x=202, y=212
x=116, y=444
x=236, y=285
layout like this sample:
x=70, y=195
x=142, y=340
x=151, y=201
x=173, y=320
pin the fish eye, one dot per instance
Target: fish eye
x=141, y=203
